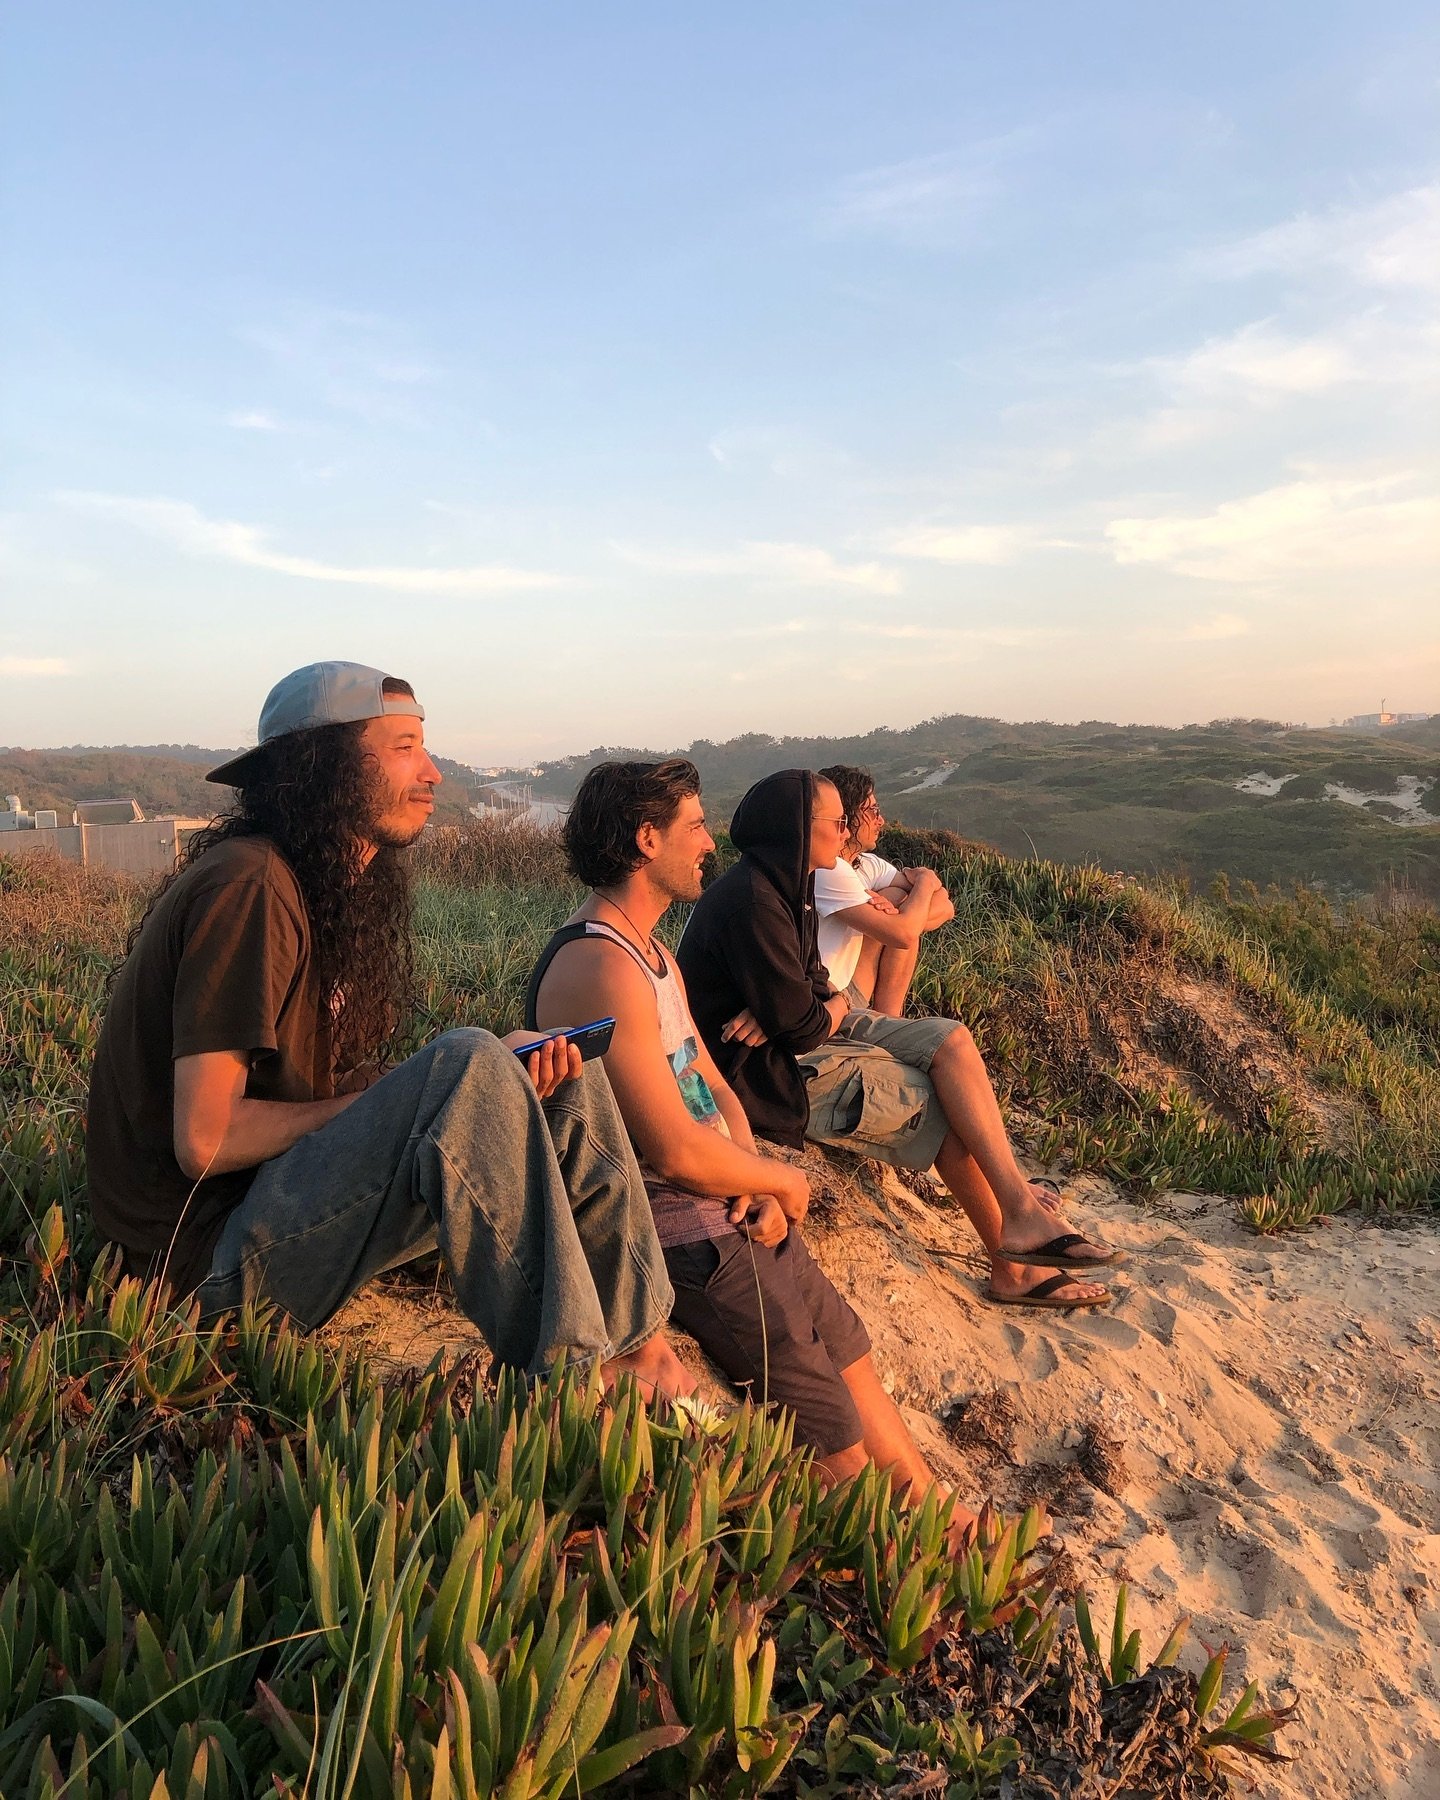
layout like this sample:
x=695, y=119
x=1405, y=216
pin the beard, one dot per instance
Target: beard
x=388, y=828
x=387, y=836
x=685, y=887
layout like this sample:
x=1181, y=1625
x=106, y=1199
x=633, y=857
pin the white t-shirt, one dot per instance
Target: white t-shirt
x=836, y=890
x=874, y=871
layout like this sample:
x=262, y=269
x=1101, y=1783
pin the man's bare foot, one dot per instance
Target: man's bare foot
x=1015, y=1281
x=655, y=1366
x=1035, y=1225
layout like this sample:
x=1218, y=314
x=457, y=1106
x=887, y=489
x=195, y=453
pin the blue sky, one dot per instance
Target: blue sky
x=628, y=373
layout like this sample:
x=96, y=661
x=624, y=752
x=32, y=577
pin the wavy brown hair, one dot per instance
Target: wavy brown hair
x=315, y=797
x=613, y=801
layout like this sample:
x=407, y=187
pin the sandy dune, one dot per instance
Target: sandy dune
x=1275, y=1412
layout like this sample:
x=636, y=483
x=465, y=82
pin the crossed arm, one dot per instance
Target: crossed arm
x=898, y=916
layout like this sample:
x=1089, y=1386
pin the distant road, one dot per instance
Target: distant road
x=513, y=800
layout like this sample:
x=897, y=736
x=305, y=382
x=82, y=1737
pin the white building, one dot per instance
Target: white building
x=105, y=834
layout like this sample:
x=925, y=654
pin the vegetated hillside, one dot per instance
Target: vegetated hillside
x=162, y=782
x=195, y=753
x=1278, y=1050
x=1346, y=813
x=1423, y=731
x=63, y=778
x=238, y=1559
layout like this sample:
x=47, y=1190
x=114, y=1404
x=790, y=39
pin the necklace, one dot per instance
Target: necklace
x=646, y=939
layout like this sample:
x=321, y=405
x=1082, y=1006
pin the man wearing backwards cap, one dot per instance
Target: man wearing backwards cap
x=242, y=1143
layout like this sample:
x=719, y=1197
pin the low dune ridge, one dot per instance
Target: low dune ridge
x=1247, y=1436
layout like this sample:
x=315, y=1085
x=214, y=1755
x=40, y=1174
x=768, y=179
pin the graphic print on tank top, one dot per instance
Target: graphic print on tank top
x=694, y=1088
x=681, y=1217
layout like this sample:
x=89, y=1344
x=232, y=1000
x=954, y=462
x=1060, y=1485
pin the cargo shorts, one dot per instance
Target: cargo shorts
x=870, y=1091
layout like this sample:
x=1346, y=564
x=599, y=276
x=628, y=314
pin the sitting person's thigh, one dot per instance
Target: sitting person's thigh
x=774, y=1324
x=866, y=1100
x=911, y=1041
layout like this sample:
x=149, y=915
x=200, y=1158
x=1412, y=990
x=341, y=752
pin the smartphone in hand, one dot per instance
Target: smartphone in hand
x=592, y=1039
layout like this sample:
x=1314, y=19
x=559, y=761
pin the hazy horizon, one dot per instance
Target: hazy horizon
x=647, y=376
x=439, y=743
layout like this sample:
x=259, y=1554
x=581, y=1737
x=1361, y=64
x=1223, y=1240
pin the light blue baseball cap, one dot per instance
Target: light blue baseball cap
x=325, y=693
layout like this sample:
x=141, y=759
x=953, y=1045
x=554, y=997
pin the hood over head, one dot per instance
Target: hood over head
x=772, y=827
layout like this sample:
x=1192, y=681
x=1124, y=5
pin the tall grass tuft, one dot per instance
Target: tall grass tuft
x=493, y=852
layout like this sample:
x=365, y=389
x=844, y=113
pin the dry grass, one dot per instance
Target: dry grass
x=503, y=852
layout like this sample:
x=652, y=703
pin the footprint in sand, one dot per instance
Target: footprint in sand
x=1104, y=1328
x=1035, y=1357
x=1192, y=1290
x=1267, y=1580
x=1177, y=1250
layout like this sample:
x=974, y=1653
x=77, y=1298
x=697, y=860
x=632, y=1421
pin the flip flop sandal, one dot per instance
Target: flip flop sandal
x=1043, y=1295
x=1056, y=1254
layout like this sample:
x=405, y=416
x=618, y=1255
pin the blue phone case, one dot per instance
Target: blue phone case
x=593, y=1039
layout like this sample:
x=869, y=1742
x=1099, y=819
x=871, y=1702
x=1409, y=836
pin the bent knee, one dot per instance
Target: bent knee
x=959, y=1043
x=469, y=1050
x=466, y=1041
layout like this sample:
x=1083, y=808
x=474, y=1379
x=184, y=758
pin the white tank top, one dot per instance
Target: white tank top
x=680, y=1216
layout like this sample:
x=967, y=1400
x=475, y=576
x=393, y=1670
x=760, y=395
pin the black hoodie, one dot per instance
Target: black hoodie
x=750, y=943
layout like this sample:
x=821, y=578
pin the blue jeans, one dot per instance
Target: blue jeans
x=538, y=1208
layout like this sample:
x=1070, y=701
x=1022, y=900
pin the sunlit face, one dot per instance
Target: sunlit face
x=868, y=823
x=395, y=745
x=829, y=827
x=676, y=852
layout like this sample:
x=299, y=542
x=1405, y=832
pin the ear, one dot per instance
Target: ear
x=647, y=841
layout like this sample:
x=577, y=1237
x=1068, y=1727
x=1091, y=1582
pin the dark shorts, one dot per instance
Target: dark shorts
x=776, y=1326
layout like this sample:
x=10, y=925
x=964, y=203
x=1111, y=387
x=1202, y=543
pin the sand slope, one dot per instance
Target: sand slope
x=1275, y=1411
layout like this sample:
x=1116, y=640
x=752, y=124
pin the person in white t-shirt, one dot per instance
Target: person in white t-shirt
x=873, y=915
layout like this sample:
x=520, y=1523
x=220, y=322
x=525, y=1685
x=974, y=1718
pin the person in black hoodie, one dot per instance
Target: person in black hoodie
x=806, y=1061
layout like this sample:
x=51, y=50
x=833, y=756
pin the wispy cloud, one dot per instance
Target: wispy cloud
x=988, y=545
x=1217, y=627
x=765, y=565
x=1392, y=243
x=186, y=529
x=358, y=363
x=254, y=420
x=1003, y=637
x=788, y=453
x=1258, y=359
x=1375, y=524
x=33, y=668
x=925, y=199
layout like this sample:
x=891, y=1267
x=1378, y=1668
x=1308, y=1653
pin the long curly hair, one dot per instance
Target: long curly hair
x=316, y=797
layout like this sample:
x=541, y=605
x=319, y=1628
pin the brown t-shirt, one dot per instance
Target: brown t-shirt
x=223, y=963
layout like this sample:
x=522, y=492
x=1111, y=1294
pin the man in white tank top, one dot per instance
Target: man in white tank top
x=728, y=1218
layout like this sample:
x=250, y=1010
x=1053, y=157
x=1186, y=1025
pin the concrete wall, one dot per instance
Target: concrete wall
x=64, y=841
x=145, y=847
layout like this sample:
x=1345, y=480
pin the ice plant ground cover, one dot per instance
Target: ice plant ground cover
x=234, y=1562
